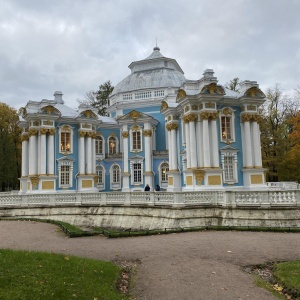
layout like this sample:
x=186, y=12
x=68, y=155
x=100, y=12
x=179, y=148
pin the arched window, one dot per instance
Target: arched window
x=164, y=169
x=116, y=174
x=65, y=139
x=227, y=125
x=99, y=172
x=112, y=145
x=99, y=145
x=136, y=140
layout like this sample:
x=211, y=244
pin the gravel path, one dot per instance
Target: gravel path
x=196, y=265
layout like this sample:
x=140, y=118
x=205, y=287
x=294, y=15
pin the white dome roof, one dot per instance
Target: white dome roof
x=156, y=71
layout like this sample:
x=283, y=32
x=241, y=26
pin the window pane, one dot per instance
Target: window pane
x=65, y=144
x=226, y=128
x=99, y=145
x=228, y=168
x=99, y=173
x=112, y=145
x=136, y=140
x=116, y=174
x=64, y=175
x=137, y=173
x=164, y=172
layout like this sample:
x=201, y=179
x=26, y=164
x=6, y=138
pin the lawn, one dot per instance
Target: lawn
x=36, y=275
x=288, y=275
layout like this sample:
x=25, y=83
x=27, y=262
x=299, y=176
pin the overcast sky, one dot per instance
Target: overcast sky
x=73, y=46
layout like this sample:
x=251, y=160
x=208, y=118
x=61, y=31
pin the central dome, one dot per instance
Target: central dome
x=155, y=71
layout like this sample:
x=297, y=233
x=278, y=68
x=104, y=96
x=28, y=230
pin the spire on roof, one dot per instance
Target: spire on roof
x=156, y=48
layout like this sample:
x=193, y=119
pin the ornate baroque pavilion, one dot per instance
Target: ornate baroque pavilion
x=161, y=129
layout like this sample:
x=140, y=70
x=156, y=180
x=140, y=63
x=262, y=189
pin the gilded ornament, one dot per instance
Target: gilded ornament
x=249, y=117
x=125, y=134
x=251, y=107
x=135, y=128
x=187, y=108
x=49, y=109
x=88, y=113
x=51, y=131
x=82, y=133
x=199, y=174
x=176, y=117
x=194, y=107
x=66, y=128
x=201, y=106
x=164, y=105
x=172, y=126
x=210, y=105
x=32, y=131
x=169, y=118
x=206, y=115
x=43, y=130
x=227, y=111
x=36, y=123
x=147, y=132
x=34, y=182
x=254, y=92
x=134, y=115
x=86, y=125
x=90, y=134
x=181, y=94
x=24, y=137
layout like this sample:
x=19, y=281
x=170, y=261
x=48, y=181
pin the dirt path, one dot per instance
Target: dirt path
x=198, y=265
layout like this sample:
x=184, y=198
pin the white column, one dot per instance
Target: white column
x=38, y=153
x=170, y=149
x=125, y=136
x=94, y=154
x=50, y=152
x=43, y=152
x=214, y=144
x=33, y=153
x=25, y=156
x=199, y=144
x=247, y=148
x=257, y=160
x=205, y=139
x=148, y=148
x=88, y=155
x=193, y=149
x=187, y=146
x=81, y=154
x=174, y=147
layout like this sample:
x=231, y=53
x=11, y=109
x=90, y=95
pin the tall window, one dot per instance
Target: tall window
x=136, y=140
x=164, y=169
x=112, y=144
x=229, y=164
x=65, y=141
x=137, y=173
x=116, y=174
x=226, y=128
x=99, y=172
x=228, y=168
x=64, y=175
x=99, y=145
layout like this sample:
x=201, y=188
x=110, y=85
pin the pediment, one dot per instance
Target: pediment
x=213, y=89
x=50, y=110
x=254, y=92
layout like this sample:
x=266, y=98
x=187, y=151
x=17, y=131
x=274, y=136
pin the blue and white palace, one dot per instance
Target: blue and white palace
x=185, y=135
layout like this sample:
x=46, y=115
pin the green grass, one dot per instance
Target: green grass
x=288, y=275
x=265, y=285
x=36, y=275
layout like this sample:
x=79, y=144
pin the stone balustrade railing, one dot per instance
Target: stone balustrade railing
x=263, y=199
